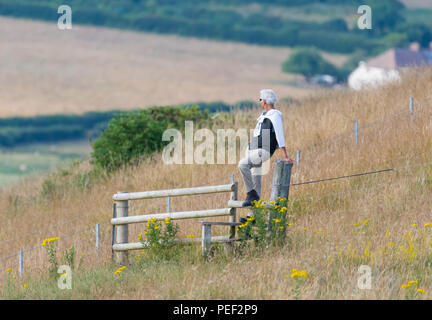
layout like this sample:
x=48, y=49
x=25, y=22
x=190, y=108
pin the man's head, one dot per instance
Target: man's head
x=268, y=98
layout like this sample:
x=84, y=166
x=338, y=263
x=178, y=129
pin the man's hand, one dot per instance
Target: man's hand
x=286, y=155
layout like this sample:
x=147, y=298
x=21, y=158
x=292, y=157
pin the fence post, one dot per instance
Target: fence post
x=298, y=157
x=412, y=107
x=21, y=264
x=286, y=179
x=356, y=131
x=206, y=239
x=277, y=178
x=280, y=185
x=233, y=197
x=168, y=205
x=276, y=189
x=122, y=230
x=113, y=231
x=97, y=240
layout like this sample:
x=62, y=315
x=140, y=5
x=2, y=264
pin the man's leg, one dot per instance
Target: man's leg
x=245, y=170
x=247, y=167
x=256, y=171
x=256, y=178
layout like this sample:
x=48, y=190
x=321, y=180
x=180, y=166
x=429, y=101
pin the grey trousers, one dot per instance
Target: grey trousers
x=251, y=168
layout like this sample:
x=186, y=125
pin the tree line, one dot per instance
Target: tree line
x=52, y=128
x=224, y=20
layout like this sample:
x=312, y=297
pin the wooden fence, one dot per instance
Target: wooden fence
x=121, y=219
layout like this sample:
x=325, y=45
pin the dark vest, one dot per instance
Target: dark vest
x=256, y=142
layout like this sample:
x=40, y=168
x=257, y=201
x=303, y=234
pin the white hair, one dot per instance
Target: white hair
x=269, y=96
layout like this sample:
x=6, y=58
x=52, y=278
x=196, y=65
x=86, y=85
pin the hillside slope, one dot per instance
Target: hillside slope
x=381, y=220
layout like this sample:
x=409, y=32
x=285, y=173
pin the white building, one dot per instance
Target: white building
x=386, y=67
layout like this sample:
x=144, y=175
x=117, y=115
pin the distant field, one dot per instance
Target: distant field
x=417, y=3
x=47, y=71
x=36, y=159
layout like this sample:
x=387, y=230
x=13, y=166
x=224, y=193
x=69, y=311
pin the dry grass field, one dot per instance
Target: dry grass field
x=45, y=70
x=382, y=220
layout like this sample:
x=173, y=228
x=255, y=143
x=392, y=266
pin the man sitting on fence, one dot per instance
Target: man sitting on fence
x=268, y=136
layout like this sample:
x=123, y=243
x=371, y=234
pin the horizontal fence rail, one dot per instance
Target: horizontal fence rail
x=144, y=244
x=173, y=192
x=173, y=216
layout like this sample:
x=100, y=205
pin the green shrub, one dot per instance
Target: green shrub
x=278, y=213
x=129, y=136
x=159, y=240
x=308, y=62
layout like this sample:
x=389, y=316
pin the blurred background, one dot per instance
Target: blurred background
x=60, y=88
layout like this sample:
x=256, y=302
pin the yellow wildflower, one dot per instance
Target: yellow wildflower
x=157, y=227
x=140, y=236
x=299, y=274
x=361, y=222
x=49, y=240
x=421, y=290
x=25, y=285
x=167, y=220
x=8, y=269
x=190, y=236
x=409, y=283
x=120, y=270
x=428, y=224
x=277, y=220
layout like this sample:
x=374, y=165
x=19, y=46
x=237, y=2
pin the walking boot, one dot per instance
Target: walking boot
x=251, y=196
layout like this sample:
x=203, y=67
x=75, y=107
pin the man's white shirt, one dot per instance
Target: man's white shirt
x=276, y=118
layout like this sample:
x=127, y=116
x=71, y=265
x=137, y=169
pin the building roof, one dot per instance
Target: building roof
x=401, y=58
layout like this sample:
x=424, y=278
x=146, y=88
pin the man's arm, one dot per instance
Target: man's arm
x=286, y=155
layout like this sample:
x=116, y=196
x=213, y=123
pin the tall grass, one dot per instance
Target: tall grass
x=376, y=220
